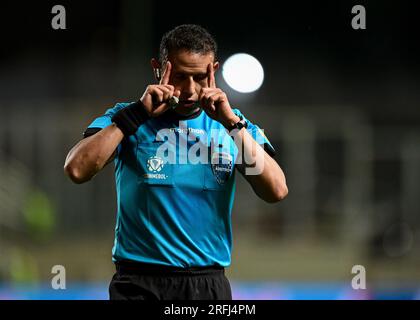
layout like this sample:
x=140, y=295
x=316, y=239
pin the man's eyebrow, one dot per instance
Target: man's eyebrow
x=191, y=73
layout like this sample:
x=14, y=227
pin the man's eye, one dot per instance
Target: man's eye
x=201, y=77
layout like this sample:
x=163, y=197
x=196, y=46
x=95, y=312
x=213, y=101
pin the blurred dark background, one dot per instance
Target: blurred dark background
x=340, y=105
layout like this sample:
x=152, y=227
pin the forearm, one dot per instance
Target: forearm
x=259, y=169
x=91, y=154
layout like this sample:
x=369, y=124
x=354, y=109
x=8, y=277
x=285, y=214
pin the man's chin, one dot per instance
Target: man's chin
x=185, y=111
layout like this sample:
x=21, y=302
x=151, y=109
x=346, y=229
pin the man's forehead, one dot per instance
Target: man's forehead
x=190, y=60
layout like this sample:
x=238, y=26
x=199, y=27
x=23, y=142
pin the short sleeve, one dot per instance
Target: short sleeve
x=103, y=121
x=258, y=134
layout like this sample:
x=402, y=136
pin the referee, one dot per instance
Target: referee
x=175, y=151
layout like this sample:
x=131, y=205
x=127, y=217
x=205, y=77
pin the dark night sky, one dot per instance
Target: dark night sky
x=266, y=27
x=298, y=42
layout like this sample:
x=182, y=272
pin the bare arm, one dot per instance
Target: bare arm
x=261, y=171
x=91, y=154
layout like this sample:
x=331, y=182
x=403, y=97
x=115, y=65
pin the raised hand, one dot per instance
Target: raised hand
x=214, y=101
x=155, y=98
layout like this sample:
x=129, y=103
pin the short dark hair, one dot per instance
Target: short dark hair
x=190, y=37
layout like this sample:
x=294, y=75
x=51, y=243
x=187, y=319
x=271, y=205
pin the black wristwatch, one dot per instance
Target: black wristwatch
x=238, y=125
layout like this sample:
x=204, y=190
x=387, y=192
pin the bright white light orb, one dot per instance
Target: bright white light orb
x=243, y=73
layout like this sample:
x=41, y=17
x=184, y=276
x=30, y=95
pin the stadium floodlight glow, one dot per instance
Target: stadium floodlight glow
x=243, y=73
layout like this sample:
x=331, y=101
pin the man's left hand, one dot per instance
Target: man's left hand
x=215, y=102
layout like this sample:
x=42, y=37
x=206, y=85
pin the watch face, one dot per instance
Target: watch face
x=239, y=125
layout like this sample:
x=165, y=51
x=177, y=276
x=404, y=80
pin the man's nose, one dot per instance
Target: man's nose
x=189, y=86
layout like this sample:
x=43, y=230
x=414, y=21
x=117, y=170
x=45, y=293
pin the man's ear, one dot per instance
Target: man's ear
x=156, y=69
x=216, y=66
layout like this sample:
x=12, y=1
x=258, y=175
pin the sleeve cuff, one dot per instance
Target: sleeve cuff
x=269, y=149
x=90, y=132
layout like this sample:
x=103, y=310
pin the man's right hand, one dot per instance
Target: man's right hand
x=155, y=98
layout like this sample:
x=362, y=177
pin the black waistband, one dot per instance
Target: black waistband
x=133, y=267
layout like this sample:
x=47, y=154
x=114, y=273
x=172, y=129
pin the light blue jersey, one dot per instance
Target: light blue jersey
x=175, y=183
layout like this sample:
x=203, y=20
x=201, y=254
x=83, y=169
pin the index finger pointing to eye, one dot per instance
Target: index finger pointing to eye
x=167, y=73
x=212, y=80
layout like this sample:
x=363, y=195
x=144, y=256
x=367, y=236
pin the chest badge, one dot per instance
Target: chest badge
x=221, y=165
x=154, y=164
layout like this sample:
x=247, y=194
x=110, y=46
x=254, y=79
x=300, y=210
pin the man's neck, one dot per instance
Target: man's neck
x=181, y=115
